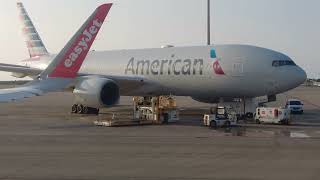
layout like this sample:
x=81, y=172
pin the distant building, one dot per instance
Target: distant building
x=316, y=83
x=312, y=82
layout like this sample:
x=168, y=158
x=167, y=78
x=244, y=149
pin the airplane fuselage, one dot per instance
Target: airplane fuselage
x=204, y=72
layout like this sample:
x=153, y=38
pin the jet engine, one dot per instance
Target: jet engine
x=96, y=92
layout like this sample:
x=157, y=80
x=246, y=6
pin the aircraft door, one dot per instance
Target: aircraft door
x=237, y=68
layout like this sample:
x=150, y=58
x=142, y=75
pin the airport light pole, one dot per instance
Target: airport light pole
x=208, y=24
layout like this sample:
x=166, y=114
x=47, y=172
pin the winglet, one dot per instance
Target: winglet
x=68, y=62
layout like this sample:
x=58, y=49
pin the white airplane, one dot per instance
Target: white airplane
x=205, y=73
x=56, y=76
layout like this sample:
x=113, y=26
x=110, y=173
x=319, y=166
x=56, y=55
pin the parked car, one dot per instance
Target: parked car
x=295, y=106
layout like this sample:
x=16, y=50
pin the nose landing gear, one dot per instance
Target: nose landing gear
x=81, y=109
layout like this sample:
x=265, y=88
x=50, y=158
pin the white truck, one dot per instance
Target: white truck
x=245, y=108
x=295, y=106
x=220, y=118
x=272, y=115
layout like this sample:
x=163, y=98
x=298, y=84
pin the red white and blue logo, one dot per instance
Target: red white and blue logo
x=216, y=65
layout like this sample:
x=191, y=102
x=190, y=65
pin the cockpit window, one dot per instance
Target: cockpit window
x=278, y=63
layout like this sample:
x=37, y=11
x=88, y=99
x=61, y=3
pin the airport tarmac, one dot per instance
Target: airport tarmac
x=40, y=139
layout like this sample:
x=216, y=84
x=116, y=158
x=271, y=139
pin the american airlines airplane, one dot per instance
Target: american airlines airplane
x=205, y=73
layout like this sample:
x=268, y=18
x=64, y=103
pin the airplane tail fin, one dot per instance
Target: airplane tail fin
x=34, y=43
x=69, y=60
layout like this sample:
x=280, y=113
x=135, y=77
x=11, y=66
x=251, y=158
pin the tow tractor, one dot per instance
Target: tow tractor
x=221, y=118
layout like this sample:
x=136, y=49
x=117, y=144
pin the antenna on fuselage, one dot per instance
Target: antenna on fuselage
x=208, y=23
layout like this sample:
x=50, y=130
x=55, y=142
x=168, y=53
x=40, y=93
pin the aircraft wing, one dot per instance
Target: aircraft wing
x=14, y=94
x=23, y=70
x=64, y=68
x=35, y=88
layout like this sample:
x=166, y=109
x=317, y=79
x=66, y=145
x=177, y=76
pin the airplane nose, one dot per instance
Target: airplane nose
x=297, y=77
x=291, y=78
x=301, y=76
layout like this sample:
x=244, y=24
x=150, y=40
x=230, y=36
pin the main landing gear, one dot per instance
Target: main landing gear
x=81, y=109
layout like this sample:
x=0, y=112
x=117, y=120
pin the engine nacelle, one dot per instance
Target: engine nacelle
x=97, y=92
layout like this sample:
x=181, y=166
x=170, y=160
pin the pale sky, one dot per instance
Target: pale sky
x=288, y=26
